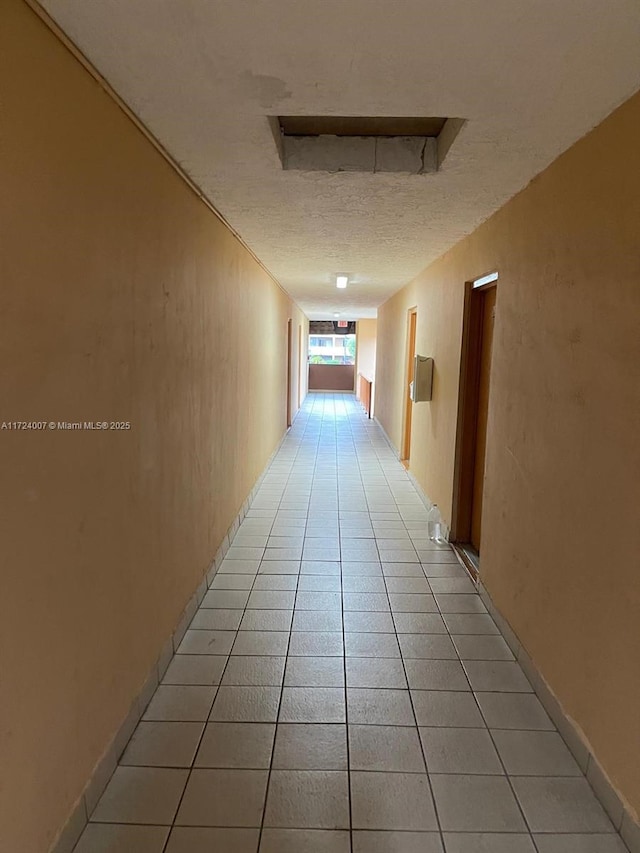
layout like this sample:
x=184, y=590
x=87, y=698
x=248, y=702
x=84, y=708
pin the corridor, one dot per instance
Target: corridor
x=342, y=687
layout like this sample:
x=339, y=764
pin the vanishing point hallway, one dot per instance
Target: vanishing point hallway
x=342, y=688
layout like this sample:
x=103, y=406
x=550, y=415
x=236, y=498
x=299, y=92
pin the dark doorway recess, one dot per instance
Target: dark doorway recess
x=473, y=411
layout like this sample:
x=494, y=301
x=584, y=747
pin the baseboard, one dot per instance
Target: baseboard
x=611, y=801
x=416, y=485
x=613, y=804
x=605, y=792
x=396, y=452
x=102, y=773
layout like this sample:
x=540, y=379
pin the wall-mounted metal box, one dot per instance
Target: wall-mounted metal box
x=422, y=385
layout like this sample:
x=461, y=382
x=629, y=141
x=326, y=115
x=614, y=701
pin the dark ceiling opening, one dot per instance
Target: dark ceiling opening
x=360, y=126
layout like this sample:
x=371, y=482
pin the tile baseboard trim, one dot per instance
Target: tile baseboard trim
x=386, y=437
x=428, y=504
x=613, y=804
x=416, y=485
x=611, y=801
x=104, y=769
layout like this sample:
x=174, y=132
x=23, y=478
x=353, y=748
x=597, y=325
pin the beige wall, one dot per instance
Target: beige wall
x=366, y=353
x=123, y=299
x=300, y=371
x=561, y=536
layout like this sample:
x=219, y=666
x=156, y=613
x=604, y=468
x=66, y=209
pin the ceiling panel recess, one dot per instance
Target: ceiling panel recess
x=414, y=145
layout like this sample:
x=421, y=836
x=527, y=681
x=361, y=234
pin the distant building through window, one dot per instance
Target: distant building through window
x=332, y=349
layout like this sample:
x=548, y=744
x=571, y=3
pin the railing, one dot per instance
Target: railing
x=331, y=377
x=364, y=392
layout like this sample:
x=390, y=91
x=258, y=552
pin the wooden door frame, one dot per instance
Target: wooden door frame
x=299, y=365
x=468, y=396
x=412, y=325
x=289, y=358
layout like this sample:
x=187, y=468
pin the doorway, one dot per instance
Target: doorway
x=289, y=356
x=412, y=320
x=473, y=411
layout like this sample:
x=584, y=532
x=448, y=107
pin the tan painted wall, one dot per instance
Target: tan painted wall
x=366, y=353
x=561, y=536
x=123, y=298
x=300, y=370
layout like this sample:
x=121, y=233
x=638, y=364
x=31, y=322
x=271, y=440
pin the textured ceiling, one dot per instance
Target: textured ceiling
x=531, y=77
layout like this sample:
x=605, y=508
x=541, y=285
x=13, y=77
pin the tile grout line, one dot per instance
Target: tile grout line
x=344, y=665
x=338, y=447
x=286, y=660
x=504, y=769
x=208, y=720
x=60, y=845
x=413, y=710
x=228, y=659
x=402, y=658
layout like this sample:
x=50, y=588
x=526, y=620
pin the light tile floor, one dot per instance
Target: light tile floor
x=342, y=688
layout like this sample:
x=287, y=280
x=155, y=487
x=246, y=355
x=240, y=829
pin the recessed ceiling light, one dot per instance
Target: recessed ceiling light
x=337, y=314
x=341, y=281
